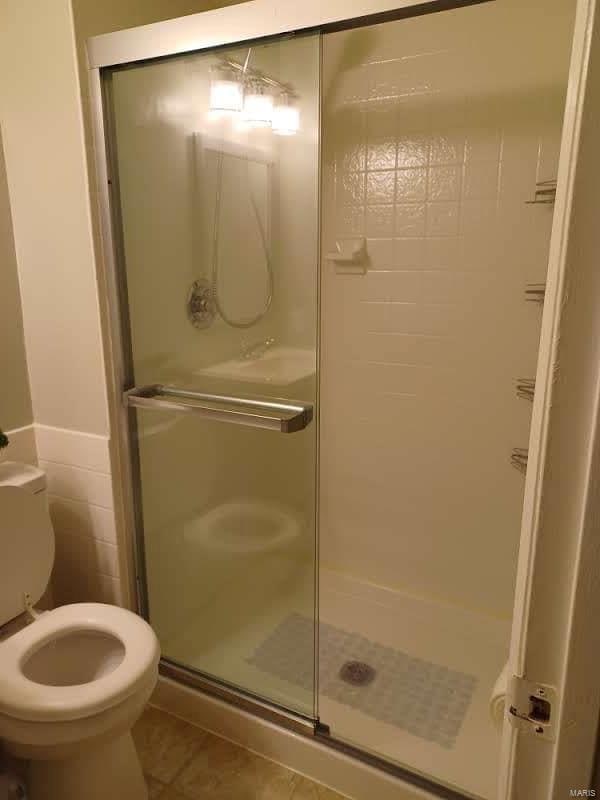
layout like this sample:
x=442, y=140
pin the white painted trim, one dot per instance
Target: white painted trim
x=239, y=23
x=576, y=745
x=300, y=753
x=517, y=756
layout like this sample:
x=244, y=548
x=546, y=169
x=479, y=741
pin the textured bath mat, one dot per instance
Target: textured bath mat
x=425, y=699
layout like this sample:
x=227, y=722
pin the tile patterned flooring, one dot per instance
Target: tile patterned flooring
x=183, y=762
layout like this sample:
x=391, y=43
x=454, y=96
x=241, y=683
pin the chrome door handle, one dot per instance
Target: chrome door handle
x=254, y=412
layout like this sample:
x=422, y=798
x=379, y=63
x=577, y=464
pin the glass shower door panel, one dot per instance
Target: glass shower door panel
x=229, y=549
x=218, y=266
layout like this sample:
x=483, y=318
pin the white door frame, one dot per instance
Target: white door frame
x=549, y=447
x=557, y=605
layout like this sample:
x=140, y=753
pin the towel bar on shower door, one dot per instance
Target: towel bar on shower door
x=254, y=412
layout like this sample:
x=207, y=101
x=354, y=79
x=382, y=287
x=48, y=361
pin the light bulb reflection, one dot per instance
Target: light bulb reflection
x=258, y=105
x=286, y=116
x=226, y=91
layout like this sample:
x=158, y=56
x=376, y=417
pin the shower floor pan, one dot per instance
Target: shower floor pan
x=404, y=634
x=466, y=648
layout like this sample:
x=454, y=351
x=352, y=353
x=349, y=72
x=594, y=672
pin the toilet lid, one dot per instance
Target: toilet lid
x=26, y=550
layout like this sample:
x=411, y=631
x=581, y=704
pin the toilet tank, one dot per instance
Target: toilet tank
x=24, y=475
x=32, y=479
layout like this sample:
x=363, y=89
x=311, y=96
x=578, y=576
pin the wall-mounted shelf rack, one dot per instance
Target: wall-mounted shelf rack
x=518, y=458
x=535, y=292
x=545, y=193
x=525, y=388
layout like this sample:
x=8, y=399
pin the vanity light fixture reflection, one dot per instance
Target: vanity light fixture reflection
x=237, y=88
x=226, y=90
x=258, y=104
x=286, y=115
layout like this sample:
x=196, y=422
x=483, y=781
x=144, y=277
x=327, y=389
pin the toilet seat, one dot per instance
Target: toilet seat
x=28, y=700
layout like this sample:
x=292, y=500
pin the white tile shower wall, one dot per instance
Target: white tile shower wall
x=420, y=355
x=77, y=466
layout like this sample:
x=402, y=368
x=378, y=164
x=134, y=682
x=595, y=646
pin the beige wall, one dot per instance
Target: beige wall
x=47, y=181
x=93, y=18
x=15, y=399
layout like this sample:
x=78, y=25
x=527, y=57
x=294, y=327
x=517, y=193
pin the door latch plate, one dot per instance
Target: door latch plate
x=533, y=707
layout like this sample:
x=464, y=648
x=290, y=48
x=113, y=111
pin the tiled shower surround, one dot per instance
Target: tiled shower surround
x=431, y=153
x=436, y=131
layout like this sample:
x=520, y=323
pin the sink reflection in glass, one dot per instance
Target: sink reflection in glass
x=279, y=365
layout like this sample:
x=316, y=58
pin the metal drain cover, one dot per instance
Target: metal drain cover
x=357, y=673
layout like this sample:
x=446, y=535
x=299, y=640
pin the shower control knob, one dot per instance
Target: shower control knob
x=201, y=310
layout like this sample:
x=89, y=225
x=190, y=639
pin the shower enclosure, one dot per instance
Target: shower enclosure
x=330, y=263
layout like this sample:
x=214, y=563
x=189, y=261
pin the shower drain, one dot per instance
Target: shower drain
x=357, y=673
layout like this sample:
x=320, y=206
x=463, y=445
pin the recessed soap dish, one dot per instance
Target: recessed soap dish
x=350, y=255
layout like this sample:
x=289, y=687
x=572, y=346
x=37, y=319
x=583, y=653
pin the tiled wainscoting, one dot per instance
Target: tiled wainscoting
x=80, y=497
x=77, y=466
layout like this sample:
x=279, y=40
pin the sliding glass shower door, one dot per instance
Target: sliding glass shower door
x=215, y=179
x=440, y=168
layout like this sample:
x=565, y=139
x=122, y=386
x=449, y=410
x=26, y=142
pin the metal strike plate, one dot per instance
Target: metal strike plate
x=533, y=707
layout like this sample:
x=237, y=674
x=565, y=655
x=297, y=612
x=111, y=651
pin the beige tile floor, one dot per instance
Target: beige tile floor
x=182, y=762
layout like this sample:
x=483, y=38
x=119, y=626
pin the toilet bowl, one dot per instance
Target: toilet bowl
x=72, y=680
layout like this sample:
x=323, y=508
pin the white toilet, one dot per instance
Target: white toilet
x=73, y=680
